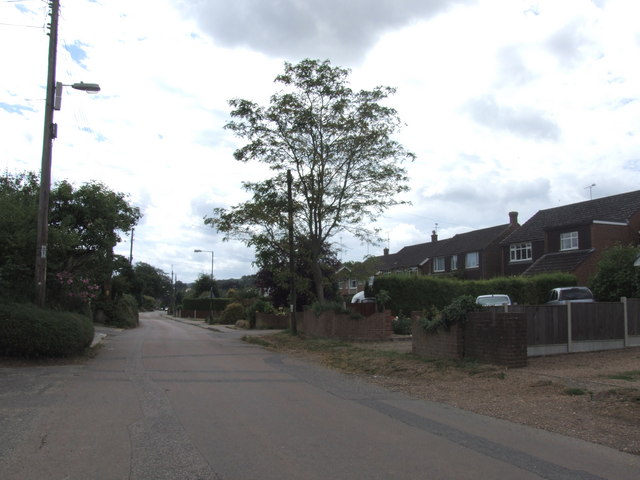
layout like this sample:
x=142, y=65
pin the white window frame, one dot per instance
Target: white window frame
x=438, y=264
x=454, y=262
x=520, y=252
x=568, y=241
x=467, y=262
x=353, y=284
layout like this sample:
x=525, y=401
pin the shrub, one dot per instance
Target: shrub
x=456, y=312
x=232, y=313
x=401, y=325
x=261, y=306
x=616, y=276
x=122, y=312
x=29, y=331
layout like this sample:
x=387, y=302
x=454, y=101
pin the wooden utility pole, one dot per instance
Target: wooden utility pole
x=45, y=172
x=292, y=256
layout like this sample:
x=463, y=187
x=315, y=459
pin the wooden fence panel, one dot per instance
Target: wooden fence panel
x=546, y=324
x=633, y=306
x=597, y=321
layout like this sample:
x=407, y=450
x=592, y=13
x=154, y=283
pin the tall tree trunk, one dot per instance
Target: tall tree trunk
x=316, y=272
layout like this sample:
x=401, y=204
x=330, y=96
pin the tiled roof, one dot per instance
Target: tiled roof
x=558, y=262
x=414, y=255
x=616, y=208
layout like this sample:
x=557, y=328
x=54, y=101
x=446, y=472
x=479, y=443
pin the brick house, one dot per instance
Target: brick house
x=472, y=255
x=572, y=238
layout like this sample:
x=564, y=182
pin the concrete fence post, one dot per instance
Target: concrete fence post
x=569, y=338
x=626, y=321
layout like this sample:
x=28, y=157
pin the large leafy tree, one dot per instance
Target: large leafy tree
x=337, y=143
x=86, y=223
x=18, y=213
x=273, y=274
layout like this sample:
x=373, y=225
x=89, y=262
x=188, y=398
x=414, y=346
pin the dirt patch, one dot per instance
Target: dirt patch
x=592, y=396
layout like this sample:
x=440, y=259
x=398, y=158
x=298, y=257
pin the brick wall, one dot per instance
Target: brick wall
x=270, y=320
x=498, y=338
x=376, y=327
x=489, y=337
x=442, y=344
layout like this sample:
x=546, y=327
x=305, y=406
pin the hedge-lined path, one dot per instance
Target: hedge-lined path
x=172, y=401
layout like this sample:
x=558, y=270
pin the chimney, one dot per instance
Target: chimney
x=386, y=252
x=513, y=218
x=434, y=236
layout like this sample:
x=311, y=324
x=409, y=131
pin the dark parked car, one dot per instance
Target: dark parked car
x=562, y=295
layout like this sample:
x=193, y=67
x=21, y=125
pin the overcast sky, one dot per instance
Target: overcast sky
x=509, y=105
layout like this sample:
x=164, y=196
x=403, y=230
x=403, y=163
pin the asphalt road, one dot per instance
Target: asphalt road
x=175, y=401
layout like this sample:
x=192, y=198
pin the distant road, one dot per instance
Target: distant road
x=175, y=401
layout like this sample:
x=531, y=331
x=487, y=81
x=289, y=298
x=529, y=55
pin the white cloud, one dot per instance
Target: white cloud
x=509, y=105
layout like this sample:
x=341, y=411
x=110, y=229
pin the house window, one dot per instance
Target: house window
x=520, y=251
x=472, y=260
x=438, y=264
x=353, y=284
x=454, y=262
x=569, y=241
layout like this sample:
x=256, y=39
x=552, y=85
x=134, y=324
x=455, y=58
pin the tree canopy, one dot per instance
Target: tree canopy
x=337, y=143
x=85, y=226
x=616, y=276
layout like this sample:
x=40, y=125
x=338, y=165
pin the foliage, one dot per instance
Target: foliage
x=152, y=282
x=245, y=296
x=18, y=214
x=73, y=293
x=336, y=144
x=232, y=313
x=410, y=293
x=121, y=312
x=401, y=325
x=274, y=276
x=431, y=320
x=148, y=304
x=616, y=276
x=246, y=281
x=203, y=286
x=259, y=305
x=333, y=306
x=215, y=304
x=456, y=312
x=84, y=227
x=29, y=331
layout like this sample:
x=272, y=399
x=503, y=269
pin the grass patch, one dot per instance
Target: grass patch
x=629, y=376
x=575, y=392
x=361, y=359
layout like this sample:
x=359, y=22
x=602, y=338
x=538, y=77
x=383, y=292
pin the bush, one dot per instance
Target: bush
x=616, y=276
x=261, y=306
x=121, y=312
x=232, y=313
x=456, y=312
x=401, y=325
x=29, y=331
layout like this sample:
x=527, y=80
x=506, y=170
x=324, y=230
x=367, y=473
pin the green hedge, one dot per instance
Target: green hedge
x=414, y=292
x=29, y=331
x=216, y=304
x=121, y=312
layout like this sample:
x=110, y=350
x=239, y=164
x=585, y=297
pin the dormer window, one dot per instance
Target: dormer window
x=569, y=241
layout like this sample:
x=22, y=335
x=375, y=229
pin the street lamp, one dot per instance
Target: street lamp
x=54, y=94
x=197, y=250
